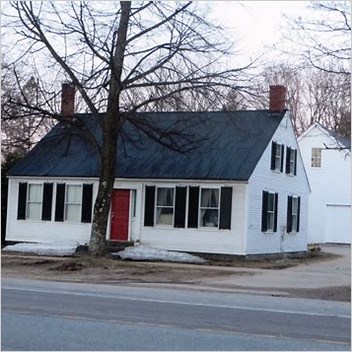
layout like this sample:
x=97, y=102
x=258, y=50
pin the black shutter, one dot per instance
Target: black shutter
x=295, y=167
x=264, y=211
x=149, y=206
x=60, y=202
x=180, y=207
x=193, y=205
x=298, y=213
x=282, y=157
x=87, y=202
x=273, y=151
x=225, y=208
x=288, y=156
x=289, y=214
x=22, y=201
x=47, y=201
x=275, y=211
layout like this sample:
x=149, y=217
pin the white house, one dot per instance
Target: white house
x=327, y=159
x=241, y=190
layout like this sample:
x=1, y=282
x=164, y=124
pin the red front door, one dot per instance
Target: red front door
x=120, y=214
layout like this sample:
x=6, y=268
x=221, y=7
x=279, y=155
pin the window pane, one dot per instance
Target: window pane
x=164, y=216
x=294, y=222
x=270, y=221
x=165, y=196
x=73, y=194
x=294, y=205
x=134, y=198
x=210, y=198
x=209, y=217
x=35, y=193
x=316, y=157
x=73, y=212
x=34, y=211
x=270, y=202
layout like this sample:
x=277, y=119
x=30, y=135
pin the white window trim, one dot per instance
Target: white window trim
x=292, y=161
x=200, y=208
x=270, y=212
x=164, y=206
x=28, y=202
x=73, y=203
x=294, y=213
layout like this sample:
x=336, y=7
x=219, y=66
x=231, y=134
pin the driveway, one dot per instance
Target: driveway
x=332, y=273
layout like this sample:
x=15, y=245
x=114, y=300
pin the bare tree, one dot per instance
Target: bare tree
x=20, y=129
x=115, y=54
x=325, y=37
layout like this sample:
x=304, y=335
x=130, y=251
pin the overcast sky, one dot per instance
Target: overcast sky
x=256, y=24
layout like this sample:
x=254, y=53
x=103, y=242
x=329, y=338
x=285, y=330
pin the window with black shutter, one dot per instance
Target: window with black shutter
x=47, y=201
x=277, y=156
x=180, y=207
x=264, y=210
x=288, y=158
x=60, y=202
x=282, y=158
x=291, y=161
x=87, y=203
x=193, y=207
x=149, y=206
x=293, y=214
x=225, y=208
x=273, y=153
x=276, y=205
x=22, y=201
x=269, y=211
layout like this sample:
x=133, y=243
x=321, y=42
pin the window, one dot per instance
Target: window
x=164, y=206
x=189, y=207
x=73, y=203
x=277, y=156
x=134, y=203
x=34, y=201
x=209, y=207
x=291, y=161
x=293, y=213
x=316, y=157
x=269, y=211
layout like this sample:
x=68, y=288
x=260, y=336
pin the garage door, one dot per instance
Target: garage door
x=338, y=224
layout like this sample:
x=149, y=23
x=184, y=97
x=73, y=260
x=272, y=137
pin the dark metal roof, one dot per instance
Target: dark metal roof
x=340, y=140
x=227, y=146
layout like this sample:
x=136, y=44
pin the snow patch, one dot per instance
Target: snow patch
x=148, y=253
x=59, y=249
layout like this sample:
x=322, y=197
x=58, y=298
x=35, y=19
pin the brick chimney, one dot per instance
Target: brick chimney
x=277, y=98
x=67, y=99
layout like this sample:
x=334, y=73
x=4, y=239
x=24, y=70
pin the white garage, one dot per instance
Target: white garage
x=338, y=223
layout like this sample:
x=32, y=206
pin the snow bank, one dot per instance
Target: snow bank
x=148, y=253
x=58, y=249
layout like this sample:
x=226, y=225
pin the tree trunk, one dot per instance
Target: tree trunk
x=112, y=126
x=97, y=245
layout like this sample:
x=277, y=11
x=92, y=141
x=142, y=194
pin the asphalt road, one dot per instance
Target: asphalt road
x=65, y=316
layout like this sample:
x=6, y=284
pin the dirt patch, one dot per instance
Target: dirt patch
x=107, y=270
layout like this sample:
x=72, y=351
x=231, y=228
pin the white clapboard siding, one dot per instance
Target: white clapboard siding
x=265, y=179
x=330, y=199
